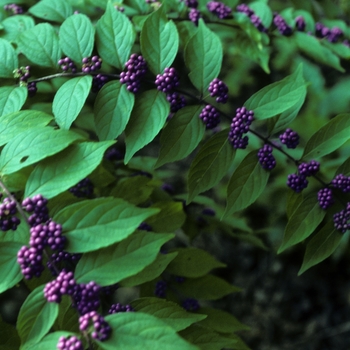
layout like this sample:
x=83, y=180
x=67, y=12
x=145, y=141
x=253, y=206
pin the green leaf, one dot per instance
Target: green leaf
x=12, y=99
x=65, y=169
x=278, y=97
x=14, y=123
x=13, y=26
x=10, y=272
x=313, y=48
x=210, y=165
x=36, y=317
x=92, y=224
x=150, y=272
x=170, y=218
x=246, y=184
x=49, y=11
x=263, y=11
x=192, y=262
x=77, y=37
x=9, y=60
x=170, y=313
x=113, y=106
x=33, y=145
x=207, y=339
x=70, y=99
x=181, y=135
x=140, y=331
x=293, y=201
x=115, y=37
x=147, y=118
x=40, y=45
x=339, y=49
x=304, y=220
x=321, y=246
x=50, y=341
x=9, y=336
x=220, y=321
x=203, y=57
x=329, y=138
x=159, y=41
x=131, y=256
x=208, y=287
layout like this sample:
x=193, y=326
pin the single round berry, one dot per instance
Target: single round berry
x=219, y=9
x=266, y=159
x=325, y=198
x=297, y=182
x=290, y=138
x=210, y=117
x=218, y=89
x=309, y=169
x=167, y=81
x=239, y=126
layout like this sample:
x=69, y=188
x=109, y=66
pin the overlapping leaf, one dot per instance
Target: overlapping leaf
x=56, y=11
x=92, y=224
x=13, y=26
x=12, y=99
x=9, y=60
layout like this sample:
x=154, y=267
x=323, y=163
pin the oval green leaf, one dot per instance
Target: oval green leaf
x=56, y=11
x=9, y=60
x=12, y=99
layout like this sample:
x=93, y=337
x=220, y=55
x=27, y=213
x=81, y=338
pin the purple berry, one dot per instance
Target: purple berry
x=69, y=343
x=256, y=21
x=8, y=210
x=218, y=89
x=282, y=26
x=101, y=331
x=341, y=182
x=86, y=297
x=290, y=138
x=191, y=304
x=300, y=23
x=309, y=169
x=266, y=159
x=341, y=219
x=66, y=64
x=210, y=117
x=144, y=227
x=176, y=101
x=64, y=284
x=334, y=35
x=325, y=198
x=191, y=3
x=32, y=89
x=245, y=9
x=167, y=81
x=297, y=182
x=98, y=81
x=239, y=126
x=116, y=308
x=194, y=15
x=84, y=188
x=219, y=9
x=30, y=261
x=136, y=68
x=15, y=9
x=91, y=64
x=160, y=290
x=38, y=206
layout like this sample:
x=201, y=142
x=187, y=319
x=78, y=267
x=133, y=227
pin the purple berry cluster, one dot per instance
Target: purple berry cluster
x=194, y=15
x=325, y=198
x=219, y=9
x=218, y=89
x=300, y=23
x=144, y=227
x=38, y=207
x=136, y=68
x=115, y=308
x=114, y=154
x=191, y=304
x=254, y=19
x=167, y=81
x=191, y=3
x=32, y=88
x=342, y=183
x=282, y=26
x=297, y=182
x=84, y=188
x=239, y=126
x=63, y=259
x=332, y=35
x=8, y=210
x=290, y=138
x=91, y=64
x=309, y=169
x=69, y=343
x=266, y=159
x=23, y=73
x=160, y=290
x=210, y=117
x=101, y=330
x=14, y=8
x=176, y=101
x=66, y=64
x=108, y=290
x=341, y=219
x=64, y=284
x=86, y=297
x=119, y=8
x=98, y=81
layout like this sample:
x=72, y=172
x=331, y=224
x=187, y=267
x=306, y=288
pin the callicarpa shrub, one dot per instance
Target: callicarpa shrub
x=130, y=129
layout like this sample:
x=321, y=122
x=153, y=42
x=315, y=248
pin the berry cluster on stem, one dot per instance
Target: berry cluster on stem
x=239, y=127
x=210, y=117
x=8, y=210
x=219, y=9
x=136, y=68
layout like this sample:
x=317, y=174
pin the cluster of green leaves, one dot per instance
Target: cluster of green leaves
x=54, y=140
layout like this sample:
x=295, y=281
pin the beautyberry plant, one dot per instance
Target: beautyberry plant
x=130, y=130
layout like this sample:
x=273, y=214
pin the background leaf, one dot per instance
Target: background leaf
x=115, y=37
x=13, y=26
x=113, y=106
x=77, y=37
x=40, y=45
x=181, y=135
x=92, y=224
x=12, y=99
x=203, y=57
x=147, y=118
x=9, y=60
x=70, y=99
x=130, y=255
x=159, y=41
x=47, y=10
x=65, y=169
